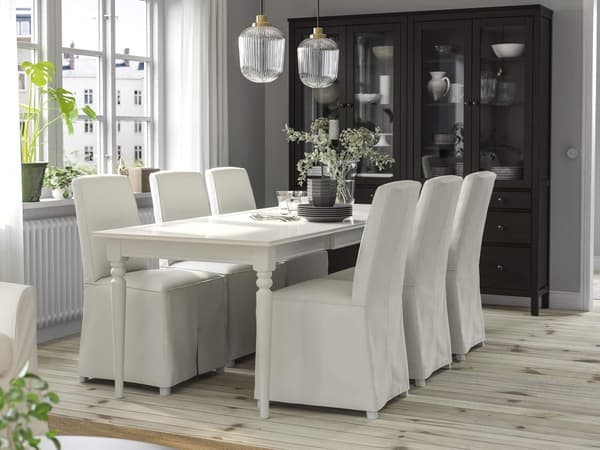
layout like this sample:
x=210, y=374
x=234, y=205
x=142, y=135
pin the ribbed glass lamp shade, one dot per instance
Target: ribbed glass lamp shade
x=318, y=59
x=262, y=51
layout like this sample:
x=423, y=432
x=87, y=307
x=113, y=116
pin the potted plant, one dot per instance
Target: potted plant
x=42, y=98
x=25, y=401
x=59, y=180
x=355, y=144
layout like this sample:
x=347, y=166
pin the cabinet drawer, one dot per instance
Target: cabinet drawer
x=504, y=268
x=508, y=200
x=507, y=227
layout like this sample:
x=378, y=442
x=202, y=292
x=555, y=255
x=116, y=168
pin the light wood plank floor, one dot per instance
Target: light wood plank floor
x=535, y=384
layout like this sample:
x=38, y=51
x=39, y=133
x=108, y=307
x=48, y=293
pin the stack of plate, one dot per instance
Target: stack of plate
x=335, y=213
x=508, y=172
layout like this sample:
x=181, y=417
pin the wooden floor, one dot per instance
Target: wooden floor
x=535, y=384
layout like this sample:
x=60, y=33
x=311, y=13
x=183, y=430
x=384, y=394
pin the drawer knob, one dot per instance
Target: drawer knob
x=500, y=227
x=500, y=199
x=500, y=268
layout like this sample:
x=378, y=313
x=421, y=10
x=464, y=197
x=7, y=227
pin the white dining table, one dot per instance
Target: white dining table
x=232, y=238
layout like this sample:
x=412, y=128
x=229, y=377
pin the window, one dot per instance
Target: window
x=81, y=49
x=89, y=153
x=88, y=96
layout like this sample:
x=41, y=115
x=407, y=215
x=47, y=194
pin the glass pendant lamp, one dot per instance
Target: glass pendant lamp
x=262, y=50
x=318, y=58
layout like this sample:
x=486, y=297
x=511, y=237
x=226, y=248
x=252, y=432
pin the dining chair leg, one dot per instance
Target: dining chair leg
x=459, y=356
x=220, y=370
x=404, y=395
x=230, y=364
x=420, y=382
x=448, y=366
x=83, y=379
x=372, y=415
x=165, y=391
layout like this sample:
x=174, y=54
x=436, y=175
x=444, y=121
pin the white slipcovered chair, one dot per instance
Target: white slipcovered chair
x=182, y=195
x=18, y=330
x=175, y=319
x=333, y=343
x=462, y=278
x=229, y=190
x=425, y=309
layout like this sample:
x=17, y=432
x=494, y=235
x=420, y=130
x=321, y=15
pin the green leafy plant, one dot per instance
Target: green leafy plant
x=57, y=178
x=355, y=144
x=41, y=97
x=26, y=399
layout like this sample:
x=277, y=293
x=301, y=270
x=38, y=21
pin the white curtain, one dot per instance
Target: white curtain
x=203, y=125
x=11, y=210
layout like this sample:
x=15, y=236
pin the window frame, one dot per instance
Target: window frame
x=47, y=45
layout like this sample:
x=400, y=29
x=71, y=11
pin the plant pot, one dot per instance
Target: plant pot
x=61, y=194
x=32, y=178
x=322, y=191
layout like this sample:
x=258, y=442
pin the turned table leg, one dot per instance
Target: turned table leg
x=118, y=292
x=263, y=340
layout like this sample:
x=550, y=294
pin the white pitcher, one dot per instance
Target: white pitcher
x=439, y=85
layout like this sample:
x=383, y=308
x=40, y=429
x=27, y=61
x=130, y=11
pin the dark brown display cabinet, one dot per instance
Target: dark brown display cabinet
x=453, y=92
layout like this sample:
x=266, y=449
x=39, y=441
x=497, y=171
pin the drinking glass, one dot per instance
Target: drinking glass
x=282, y=200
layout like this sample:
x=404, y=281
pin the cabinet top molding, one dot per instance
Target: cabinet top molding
x=482, y=13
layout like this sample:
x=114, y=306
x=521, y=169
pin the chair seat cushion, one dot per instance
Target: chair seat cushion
x=346, y=275
x=5, y=353
x=212, y=267
x=322, y=290
x=163, y=280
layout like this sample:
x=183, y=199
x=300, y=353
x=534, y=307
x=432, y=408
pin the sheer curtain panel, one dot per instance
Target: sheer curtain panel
x=11, y=210
x=204, y=125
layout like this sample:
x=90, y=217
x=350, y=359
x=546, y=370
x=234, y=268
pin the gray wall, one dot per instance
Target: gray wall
x=246, y=103
x=566, y=117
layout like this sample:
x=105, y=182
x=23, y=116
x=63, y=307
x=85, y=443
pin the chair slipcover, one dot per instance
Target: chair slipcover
x=175, y=320
x=18, y=342
x=182, y=195
x=462, y=278
x=230, y=191
x=425, y=308
x=334, y=342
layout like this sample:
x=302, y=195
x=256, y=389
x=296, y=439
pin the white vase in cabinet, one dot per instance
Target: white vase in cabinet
x=438, y=86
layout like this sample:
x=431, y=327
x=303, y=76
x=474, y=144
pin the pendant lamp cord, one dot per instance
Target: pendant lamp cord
x=261, y=7
x=318, y=11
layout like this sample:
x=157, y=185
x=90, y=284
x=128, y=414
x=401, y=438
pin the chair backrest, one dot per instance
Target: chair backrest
x=428, y=254
x=469, y=221
x=103, y=202
x=385, y=241
x=229, y=190
x=178, y=195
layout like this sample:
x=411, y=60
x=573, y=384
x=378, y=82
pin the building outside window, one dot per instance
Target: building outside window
x=83, y=41
x=88, y=96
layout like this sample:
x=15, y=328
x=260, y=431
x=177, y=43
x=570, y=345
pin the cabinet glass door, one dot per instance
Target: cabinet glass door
x=329, y=102
x=502, y=115
x=442, y=52
x=373, y=95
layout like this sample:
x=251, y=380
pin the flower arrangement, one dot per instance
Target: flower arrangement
x=355, y=144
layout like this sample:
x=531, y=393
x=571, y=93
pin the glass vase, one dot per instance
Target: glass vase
x=345, y=192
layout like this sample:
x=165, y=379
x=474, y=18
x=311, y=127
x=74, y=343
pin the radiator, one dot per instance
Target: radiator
x=53, y=266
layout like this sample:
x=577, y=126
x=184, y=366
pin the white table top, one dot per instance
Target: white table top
x=237, y=228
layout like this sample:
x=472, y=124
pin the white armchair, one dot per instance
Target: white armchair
x=18, y=341
x=333, y=343
x=229, y=190
x=182, y=195
x=176, y=319
x=425, y=308
x=465, y=313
